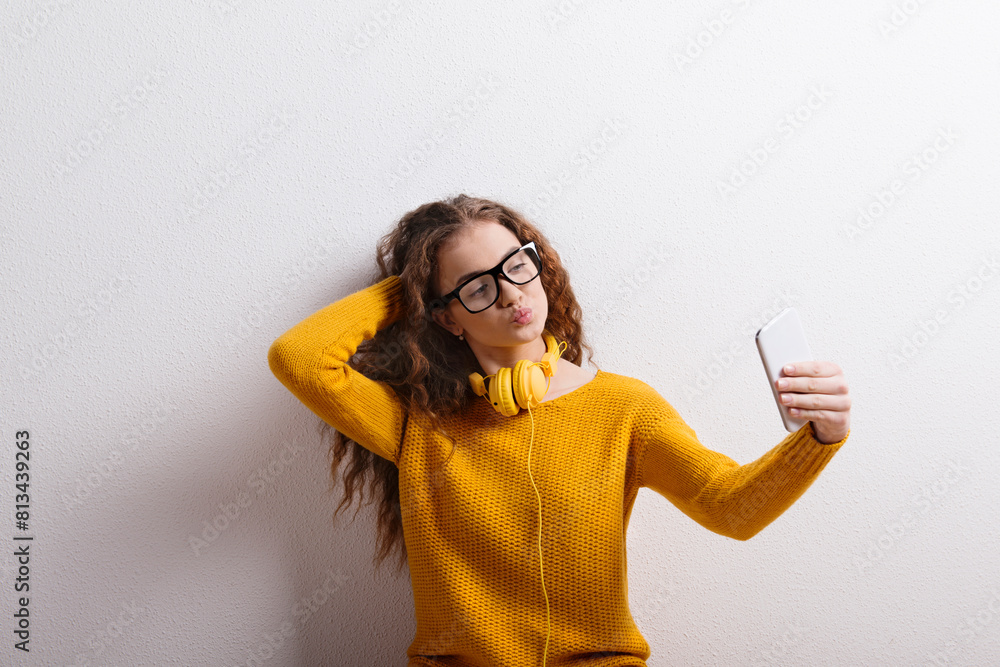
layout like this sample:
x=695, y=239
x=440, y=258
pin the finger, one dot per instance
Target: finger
x=811, y=402
x=811, y=368
x=833, y=420
x=819, y=385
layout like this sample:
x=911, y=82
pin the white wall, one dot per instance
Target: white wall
x=182, y=182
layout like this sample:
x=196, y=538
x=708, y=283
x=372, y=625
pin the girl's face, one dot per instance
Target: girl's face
x=478, y=248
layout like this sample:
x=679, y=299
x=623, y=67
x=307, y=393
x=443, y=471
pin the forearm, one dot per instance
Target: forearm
x=741, y=501
x=311, y=361
x=734, y=500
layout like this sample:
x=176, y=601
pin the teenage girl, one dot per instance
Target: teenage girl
x=506, y=468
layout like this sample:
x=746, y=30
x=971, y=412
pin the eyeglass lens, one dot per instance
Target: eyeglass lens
x=481, y=292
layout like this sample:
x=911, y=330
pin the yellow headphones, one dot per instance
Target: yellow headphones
x=523, y=387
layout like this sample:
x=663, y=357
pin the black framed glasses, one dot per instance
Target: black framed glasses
x=481, y=291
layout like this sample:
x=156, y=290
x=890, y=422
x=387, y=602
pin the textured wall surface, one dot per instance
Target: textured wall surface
x=181, y=182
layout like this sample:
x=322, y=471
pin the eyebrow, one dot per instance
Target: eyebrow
x=468, y=275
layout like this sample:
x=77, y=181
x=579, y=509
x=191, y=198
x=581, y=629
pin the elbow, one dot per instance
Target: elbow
x=298, y=368
x=744, y=536
x=737, y=527
x=280, y=360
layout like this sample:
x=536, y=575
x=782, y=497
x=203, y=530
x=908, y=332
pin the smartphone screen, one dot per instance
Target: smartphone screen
x=783, y=341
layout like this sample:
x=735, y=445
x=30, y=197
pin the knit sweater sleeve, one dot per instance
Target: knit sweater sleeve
x=310, y=359
x=734, y=500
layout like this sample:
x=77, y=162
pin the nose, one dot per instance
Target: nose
x=508, y=291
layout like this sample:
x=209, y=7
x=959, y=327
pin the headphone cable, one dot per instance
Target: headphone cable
x=541, y=568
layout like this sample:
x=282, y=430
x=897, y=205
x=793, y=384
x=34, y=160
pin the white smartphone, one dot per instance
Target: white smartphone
x=783, y=341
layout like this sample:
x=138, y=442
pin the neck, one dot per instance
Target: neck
x=492, y=359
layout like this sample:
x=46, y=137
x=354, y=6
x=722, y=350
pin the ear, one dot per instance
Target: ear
x=443, y=318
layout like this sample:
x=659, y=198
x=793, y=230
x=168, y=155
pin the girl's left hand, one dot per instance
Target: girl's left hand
x=818, y=391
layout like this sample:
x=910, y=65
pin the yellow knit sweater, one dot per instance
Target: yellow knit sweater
x=471, y=527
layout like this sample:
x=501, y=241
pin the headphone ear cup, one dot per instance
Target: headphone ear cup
x=478, y=386
x=538, y=383
x=502, y=394
x=520, y=383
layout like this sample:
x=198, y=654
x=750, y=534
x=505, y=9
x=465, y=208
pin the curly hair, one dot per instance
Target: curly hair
x=427, y=367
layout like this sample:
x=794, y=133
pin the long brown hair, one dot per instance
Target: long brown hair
x=427, y=366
